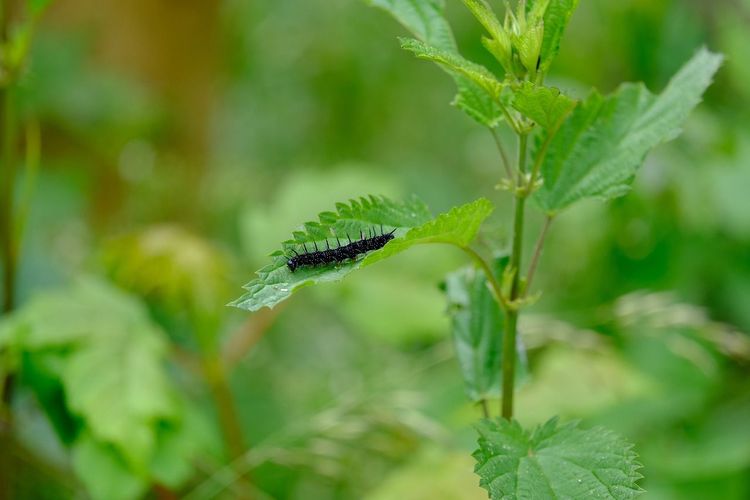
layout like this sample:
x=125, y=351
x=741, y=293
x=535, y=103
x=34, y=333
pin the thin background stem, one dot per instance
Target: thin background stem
x=485, y=408
x=537, y=254
x=491, y=278
x=503, y=155
x=7, y=182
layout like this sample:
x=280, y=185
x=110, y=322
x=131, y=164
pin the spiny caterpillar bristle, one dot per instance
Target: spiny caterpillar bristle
x=342, y=253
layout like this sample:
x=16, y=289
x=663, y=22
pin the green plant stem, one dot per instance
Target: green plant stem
x=217, y=379
x=8, y=172
x=497, y=290
x=538, y=164
x=511, y=316
x=33, y=150
x=537, y=254
x=503, y=156
x=485, y=408
x=7, y=181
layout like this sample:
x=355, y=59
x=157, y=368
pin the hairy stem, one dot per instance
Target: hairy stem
x=511, y=316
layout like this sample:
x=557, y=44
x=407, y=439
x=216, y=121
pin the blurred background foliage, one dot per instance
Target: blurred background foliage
x=181, y=143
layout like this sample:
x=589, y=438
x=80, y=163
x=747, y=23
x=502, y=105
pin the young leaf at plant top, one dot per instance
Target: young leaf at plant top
x=556, y=16
x=554, y=461
x=601, y=145
x=477, y=325
x=455, y=64
x=458, y=227
x=547, y=106
x=410, y=220
x=424, y=19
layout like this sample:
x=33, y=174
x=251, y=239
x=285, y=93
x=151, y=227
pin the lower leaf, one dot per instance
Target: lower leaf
x=554, y=461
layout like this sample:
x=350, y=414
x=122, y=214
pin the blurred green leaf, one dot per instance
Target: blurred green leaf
x=477, y=324
x=598, y=150
x=459, y=227
x=171, y=265
x=102, y=109
x=554, y=461
x=104, y=473
x=276, y=282
x=433, y=475
x=424, y=19
x=547, y=106
x=119, y=386
x=112, y=371
x=453, y=63
x=59, y=318
x=179, y=442
x=582, y=382
x=37, y=7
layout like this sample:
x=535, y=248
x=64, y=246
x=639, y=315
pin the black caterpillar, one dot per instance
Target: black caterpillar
x=341, y=253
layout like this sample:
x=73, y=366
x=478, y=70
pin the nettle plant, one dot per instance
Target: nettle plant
x=568, y=150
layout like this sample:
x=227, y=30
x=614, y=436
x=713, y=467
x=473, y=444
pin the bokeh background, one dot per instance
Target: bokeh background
x=182, y=141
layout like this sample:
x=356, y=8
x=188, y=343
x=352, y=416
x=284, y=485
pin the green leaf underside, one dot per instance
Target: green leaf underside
x=554, y=461
x=477, y=325
x=547, y=106
x=599, y=148
x=455, y=64
x=459, y=227
x=556, y=19
x=276, y=283
x=111, y=352
x=424, y=19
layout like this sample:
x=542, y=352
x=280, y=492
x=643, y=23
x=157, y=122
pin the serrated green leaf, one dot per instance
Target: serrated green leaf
x=459, y=227
x=547, y=106
x=104, y=473
x=483, y=13
x=556, y=17
x=424, y=19
x=476, y=103
x=554, y=461
x=599, y=148
x=455, y=64
x=276, y=283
